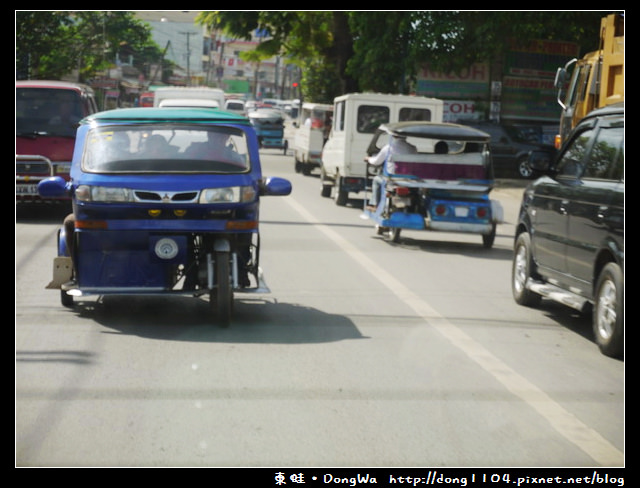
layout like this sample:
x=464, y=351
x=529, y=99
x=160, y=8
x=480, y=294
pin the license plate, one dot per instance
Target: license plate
x=26, y=189
x=461, y=211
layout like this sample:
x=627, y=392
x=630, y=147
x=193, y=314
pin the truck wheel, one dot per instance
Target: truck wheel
x=521, y=270
x=608, y=313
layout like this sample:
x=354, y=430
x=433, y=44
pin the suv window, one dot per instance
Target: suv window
x=607, y=155
x=570, y=165
x=602, y=160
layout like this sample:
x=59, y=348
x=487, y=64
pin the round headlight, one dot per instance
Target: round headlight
x=166, y=248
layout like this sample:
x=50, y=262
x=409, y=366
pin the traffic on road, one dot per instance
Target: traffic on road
x=367, y=352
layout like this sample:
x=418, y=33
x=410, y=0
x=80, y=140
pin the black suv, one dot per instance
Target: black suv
x=510, y=148
x=569, y=243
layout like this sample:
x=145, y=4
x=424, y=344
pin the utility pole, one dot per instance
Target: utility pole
x=188, y=56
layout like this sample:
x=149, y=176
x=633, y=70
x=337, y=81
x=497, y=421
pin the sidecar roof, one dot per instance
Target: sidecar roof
x=435, y=130
x=165, y=115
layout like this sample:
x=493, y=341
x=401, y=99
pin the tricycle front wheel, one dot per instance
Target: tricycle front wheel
x=65, y=299
x=221, y=297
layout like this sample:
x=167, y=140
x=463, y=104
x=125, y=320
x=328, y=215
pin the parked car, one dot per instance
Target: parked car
x=510, y=148
x=569, y=241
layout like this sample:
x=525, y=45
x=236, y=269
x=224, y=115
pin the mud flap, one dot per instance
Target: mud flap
x=497, y=212
x=62, y=272
x=404, y=221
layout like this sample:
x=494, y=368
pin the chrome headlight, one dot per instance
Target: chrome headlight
x=166, y=248
x=87, y=193
x=232, y=194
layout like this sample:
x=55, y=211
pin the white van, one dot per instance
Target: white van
x=235, y=105
x=311, y=131
x=356, y=116
x=188, y=103
x=188, y=92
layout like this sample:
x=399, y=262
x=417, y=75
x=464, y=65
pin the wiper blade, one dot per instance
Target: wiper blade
x=32, y=134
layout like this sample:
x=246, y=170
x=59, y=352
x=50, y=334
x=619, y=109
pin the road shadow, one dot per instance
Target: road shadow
x=256, y=320
x=39, y=213
x=438, y=244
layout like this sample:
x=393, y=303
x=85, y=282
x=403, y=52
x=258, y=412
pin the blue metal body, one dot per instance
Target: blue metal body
x=165, y=237
x=427, y=190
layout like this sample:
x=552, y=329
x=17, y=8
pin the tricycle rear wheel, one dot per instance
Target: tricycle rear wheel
x=488, y=239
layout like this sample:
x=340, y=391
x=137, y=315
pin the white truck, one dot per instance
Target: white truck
x=356, y=116
x=182, y=96
x=311, y=131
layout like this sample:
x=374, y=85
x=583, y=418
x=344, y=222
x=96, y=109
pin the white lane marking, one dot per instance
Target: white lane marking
x=564, y=422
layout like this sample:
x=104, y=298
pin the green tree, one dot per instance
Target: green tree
x=38, y=36
x=383, y=58
x=53, y=44
x=450, y=41
x=382, y=51
x=318, y=42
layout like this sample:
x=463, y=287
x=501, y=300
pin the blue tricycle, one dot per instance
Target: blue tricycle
x=441, y=184
x=165, y=201
x=269, y=126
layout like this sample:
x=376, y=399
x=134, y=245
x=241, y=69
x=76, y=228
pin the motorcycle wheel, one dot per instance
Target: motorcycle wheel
x=221, y=297
x=394, y=234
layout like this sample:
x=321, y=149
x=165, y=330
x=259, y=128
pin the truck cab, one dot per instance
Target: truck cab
x=356, y=117
x=597, y=79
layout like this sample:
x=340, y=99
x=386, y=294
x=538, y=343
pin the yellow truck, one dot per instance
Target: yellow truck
x=597, y=79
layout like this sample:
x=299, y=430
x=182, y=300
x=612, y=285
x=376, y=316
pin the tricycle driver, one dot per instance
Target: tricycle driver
x=397, y=145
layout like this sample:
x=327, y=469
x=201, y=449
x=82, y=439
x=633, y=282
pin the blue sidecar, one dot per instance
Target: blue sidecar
x=442, y=183
x=165, y=201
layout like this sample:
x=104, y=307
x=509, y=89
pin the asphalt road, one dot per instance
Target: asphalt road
x=365, y=353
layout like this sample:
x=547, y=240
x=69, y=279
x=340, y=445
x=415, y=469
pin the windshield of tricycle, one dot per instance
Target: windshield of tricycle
x=166, y=149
